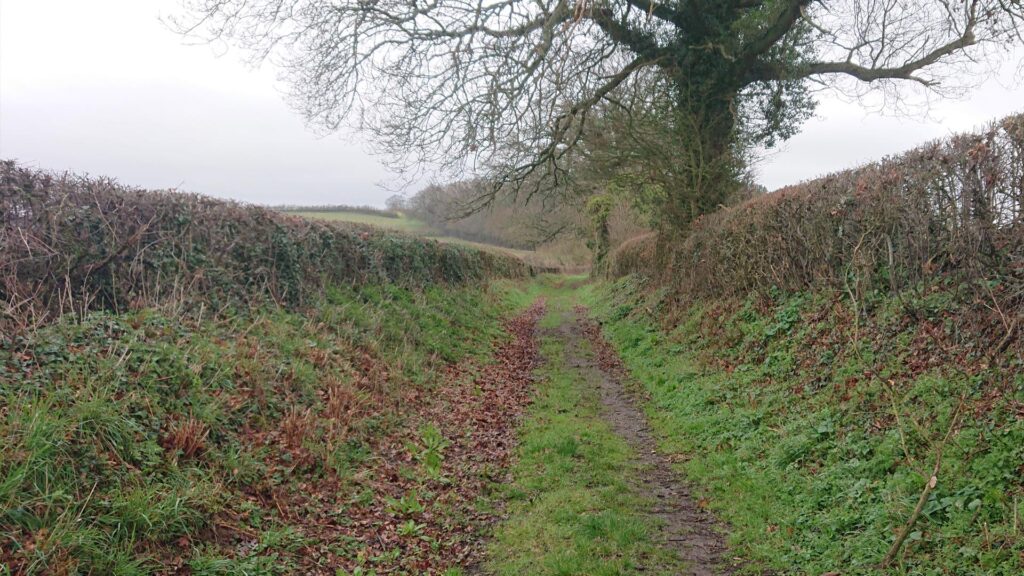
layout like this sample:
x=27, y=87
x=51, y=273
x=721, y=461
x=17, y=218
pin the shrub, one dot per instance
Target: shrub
x=953, y=208
x=70, y=243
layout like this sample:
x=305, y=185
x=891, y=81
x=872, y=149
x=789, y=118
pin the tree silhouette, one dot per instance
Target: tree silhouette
x=508, y=88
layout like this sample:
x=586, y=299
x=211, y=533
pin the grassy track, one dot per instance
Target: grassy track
x=573, y=505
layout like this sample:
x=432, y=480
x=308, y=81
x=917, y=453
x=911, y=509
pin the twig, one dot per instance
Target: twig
x=1009, y=325
x=899, y=423
x=1006, y=340
x=928, y=487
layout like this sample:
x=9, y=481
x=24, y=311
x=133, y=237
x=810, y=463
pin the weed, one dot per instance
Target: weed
x=186, y=437
x=431, y=457
x=407, y=504
x=410, y=528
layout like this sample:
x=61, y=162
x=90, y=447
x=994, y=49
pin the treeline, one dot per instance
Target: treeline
x=455, y=210
x=558, y=224
x=71, y=244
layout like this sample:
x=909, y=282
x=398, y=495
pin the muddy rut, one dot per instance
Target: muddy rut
x=687, y=529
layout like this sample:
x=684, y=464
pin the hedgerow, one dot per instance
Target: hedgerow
x=72, y=243
x=951, y=209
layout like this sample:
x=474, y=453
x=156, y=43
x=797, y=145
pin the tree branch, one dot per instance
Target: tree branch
x=784, y=22
x=904, y=72
x=641, y=43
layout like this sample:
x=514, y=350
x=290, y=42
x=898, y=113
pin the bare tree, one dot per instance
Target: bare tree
x=508, y=88
x=395, y=203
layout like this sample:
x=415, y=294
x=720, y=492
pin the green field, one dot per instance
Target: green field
x=401, y=224
x=417, y=227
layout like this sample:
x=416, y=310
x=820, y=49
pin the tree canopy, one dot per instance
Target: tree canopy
x=508, y=89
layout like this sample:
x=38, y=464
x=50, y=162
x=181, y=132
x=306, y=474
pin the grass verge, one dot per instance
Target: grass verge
x=814, y=433
x=142, y=442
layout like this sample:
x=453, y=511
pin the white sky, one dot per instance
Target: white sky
x=103, y=87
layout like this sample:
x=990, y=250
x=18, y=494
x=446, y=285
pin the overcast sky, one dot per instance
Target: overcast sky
x=103, y=87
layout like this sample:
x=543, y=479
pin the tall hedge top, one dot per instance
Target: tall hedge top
x=952, y=208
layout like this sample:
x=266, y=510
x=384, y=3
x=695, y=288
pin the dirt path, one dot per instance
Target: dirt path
x=688, y=530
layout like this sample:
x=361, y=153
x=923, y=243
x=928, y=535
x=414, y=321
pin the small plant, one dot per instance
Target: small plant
x=410, y=528
x=187, y=438
x=785, y=319
x=407, y=504
x=431, y=456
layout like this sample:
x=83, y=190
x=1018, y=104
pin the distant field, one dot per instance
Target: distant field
x=403, y=223
x=418, y=227
x=412, y=226
x=481, y=245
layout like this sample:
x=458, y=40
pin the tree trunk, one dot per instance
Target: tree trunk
x=602, y=245
x=709, y=166
x=708, y=173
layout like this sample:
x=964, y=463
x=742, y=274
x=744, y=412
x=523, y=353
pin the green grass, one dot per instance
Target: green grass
x=401, y=224
x=813, y=439
x=417, y=227
x=556, y=289
x=524, y=254
x=573, y=509
x=91, y=483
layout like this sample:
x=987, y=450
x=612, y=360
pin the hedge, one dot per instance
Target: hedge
x=71, y=243
x=951, y=209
